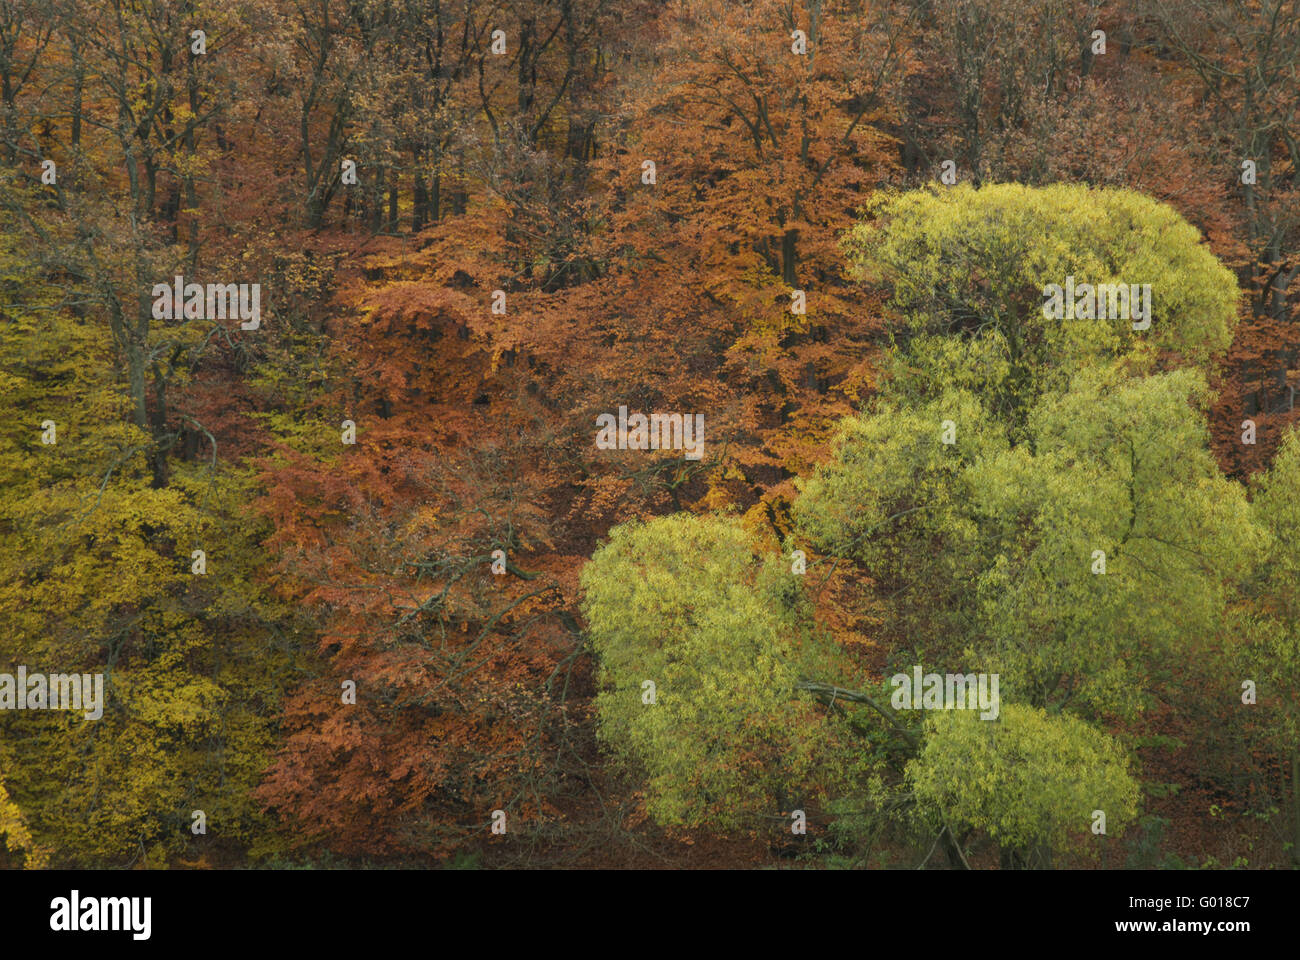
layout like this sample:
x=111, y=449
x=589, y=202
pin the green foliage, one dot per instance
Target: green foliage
x=896, y=499
x=1070, y=446
x=986, y=546
x=1119, y=465
x=684, y=602
x=968, y=267
x=1271, y=623
x=1277, y=508
x=1029, y=780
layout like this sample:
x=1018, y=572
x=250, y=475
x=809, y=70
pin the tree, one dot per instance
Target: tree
x=1271, y=655
x=1030, y=497
x=1031, y=781
x=408, y=553
x=717, y=287
x=1072, y=562
x=969, y=271
x=702, y=646
x=1006, y=452
x=101, y=576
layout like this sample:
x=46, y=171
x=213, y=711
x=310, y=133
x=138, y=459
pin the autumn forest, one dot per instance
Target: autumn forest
x=650, y=433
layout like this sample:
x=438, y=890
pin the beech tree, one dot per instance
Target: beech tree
x=702, y=647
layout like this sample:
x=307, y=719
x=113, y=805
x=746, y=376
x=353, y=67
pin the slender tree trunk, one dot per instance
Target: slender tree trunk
x=420, y=192
x=78, y=86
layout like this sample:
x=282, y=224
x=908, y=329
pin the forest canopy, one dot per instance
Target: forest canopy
x=556, y=433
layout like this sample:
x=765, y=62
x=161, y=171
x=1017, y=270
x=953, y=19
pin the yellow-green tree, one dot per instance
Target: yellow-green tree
x=702, y=646
x=1032, y=781
x=967, y=270
x=99, y=575
x=1270, y=658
